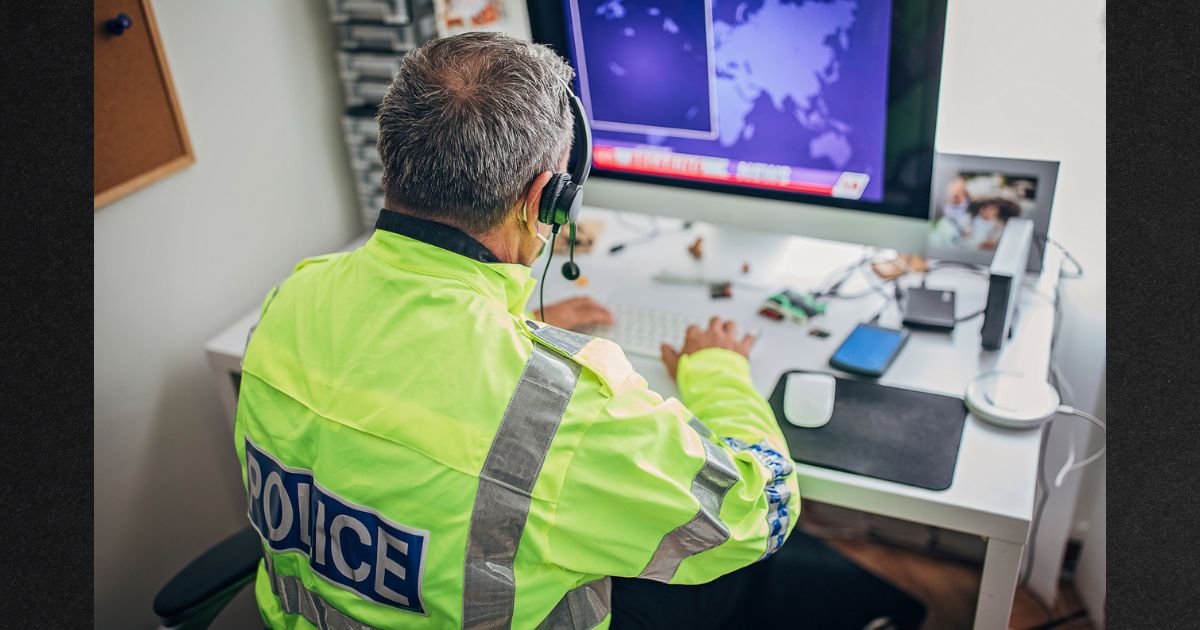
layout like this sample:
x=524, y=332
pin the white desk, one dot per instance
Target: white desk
x=992, y=494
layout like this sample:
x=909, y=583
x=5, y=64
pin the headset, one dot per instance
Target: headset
x=562, y=197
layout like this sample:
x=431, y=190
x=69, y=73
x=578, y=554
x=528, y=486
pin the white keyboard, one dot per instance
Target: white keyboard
x=640, y=330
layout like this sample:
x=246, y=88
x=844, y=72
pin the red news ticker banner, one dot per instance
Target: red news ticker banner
x=691, y=167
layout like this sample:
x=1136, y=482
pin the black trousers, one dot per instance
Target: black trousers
x=806, y=584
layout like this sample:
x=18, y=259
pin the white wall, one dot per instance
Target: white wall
x=181, y=259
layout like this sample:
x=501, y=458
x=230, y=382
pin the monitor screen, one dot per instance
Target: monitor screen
x=802, y=100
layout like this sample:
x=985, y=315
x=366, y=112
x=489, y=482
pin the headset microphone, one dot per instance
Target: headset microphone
x=570, y=270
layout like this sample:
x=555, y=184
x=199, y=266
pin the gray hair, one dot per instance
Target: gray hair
x=467, y=124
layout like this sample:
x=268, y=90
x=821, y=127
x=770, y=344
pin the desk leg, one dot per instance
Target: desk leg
x=999, y=584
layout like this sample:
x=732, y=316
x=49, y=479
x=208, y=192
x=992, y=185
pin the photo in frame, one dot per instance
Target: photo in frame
x=973, y=197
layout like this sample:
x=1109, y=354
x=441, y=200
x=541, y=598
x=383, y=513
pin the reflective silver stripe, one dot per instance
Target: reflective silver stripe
x=505, y=485
x=700, y=428
x=296, y=599
x=776, y=489
x=581, y=608
x=568, y=341
x=705, y=530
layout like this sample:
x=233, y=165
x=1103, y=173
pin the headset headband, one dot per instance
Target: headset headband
x=581, y=148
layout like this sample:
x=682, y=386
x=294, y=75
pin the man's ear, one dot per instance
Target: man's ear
x=533, y=198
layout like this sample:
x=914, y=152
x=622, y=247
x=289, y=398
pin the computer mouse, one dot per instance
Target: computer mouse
x=808, y=399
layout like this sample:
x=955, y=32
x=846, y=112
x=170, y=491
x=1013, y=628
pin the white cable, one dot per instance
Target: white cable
x=1062, y=473
x=1071, y=411
x=1070, y=466
x=1067, y=255
x=1061, y=380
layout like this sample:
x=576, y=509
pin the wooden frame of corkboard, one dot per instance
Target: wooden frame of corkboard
x=183, y=160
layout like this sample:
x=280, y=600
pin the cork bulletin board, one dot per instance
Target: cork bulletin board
x=139, y=134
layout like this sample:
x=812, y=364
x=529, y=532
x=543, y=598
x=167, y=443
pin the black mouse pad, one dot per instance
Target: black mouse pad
x=884, y=432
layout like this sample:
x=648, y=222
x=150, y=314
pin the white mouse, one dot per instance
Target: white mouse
x=808, y=399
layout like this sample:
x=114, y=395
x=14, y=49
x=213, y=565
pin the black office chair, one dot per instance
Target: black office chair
x=199, y=592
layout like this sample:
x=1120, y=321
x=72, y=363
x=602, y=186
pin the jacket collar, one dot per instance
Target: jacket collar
x=437, y=234
x=436, y=249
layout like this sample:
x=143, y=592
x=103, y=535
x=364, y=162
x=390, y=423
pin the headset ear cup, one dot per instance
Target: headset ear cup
x=573, y=201
x=552, y=198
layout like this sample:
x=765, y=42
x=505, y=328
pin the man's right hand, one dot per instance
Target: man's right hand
x=720, y=334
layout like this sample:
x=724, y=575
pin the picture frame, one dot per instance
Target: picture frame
x=973, y=196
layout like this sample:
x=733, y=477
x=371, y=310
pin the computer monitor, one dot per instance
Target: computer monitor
x=812, y=103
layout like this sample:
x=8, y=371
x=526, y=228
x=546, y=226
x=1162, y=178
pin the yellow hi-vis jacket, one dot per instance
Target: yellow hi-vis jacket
x=419, y=454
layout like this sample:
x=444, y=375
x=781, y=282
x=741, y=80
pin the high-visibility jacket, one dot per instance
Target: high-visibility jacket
x=418, y=453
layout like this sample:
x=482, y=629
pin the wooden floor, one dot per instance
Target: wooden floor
x=948, y=588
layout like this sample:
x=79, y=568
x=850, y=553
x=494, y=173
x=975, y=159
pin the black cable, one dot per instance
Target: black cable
x=969, y=316
x=542, y=284
x=571, y=245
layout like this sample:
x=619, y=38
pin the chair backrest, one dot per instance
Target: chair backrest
x=198, y=593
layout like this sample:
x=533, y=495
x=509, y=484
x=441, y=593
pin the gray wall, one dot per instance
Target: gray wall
x=178, y=261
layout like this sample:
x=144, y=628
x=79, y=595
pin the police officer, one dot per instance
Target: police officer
x=419, y=452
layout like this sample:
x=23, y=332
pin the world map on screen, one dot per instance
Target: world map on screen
x=801, y=84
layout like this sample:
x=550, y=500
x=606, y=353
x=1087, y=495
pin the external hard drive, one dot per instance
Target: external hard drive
x=929, y=308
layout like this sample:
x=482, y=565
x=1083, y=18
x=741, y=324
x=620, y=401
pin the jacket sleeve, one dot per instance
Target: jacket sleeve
x=660, y=491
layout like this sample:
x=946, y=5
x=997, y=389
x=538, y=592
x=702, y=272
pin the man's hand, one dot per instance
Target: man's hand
x=576, y=313
x=720, y=334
